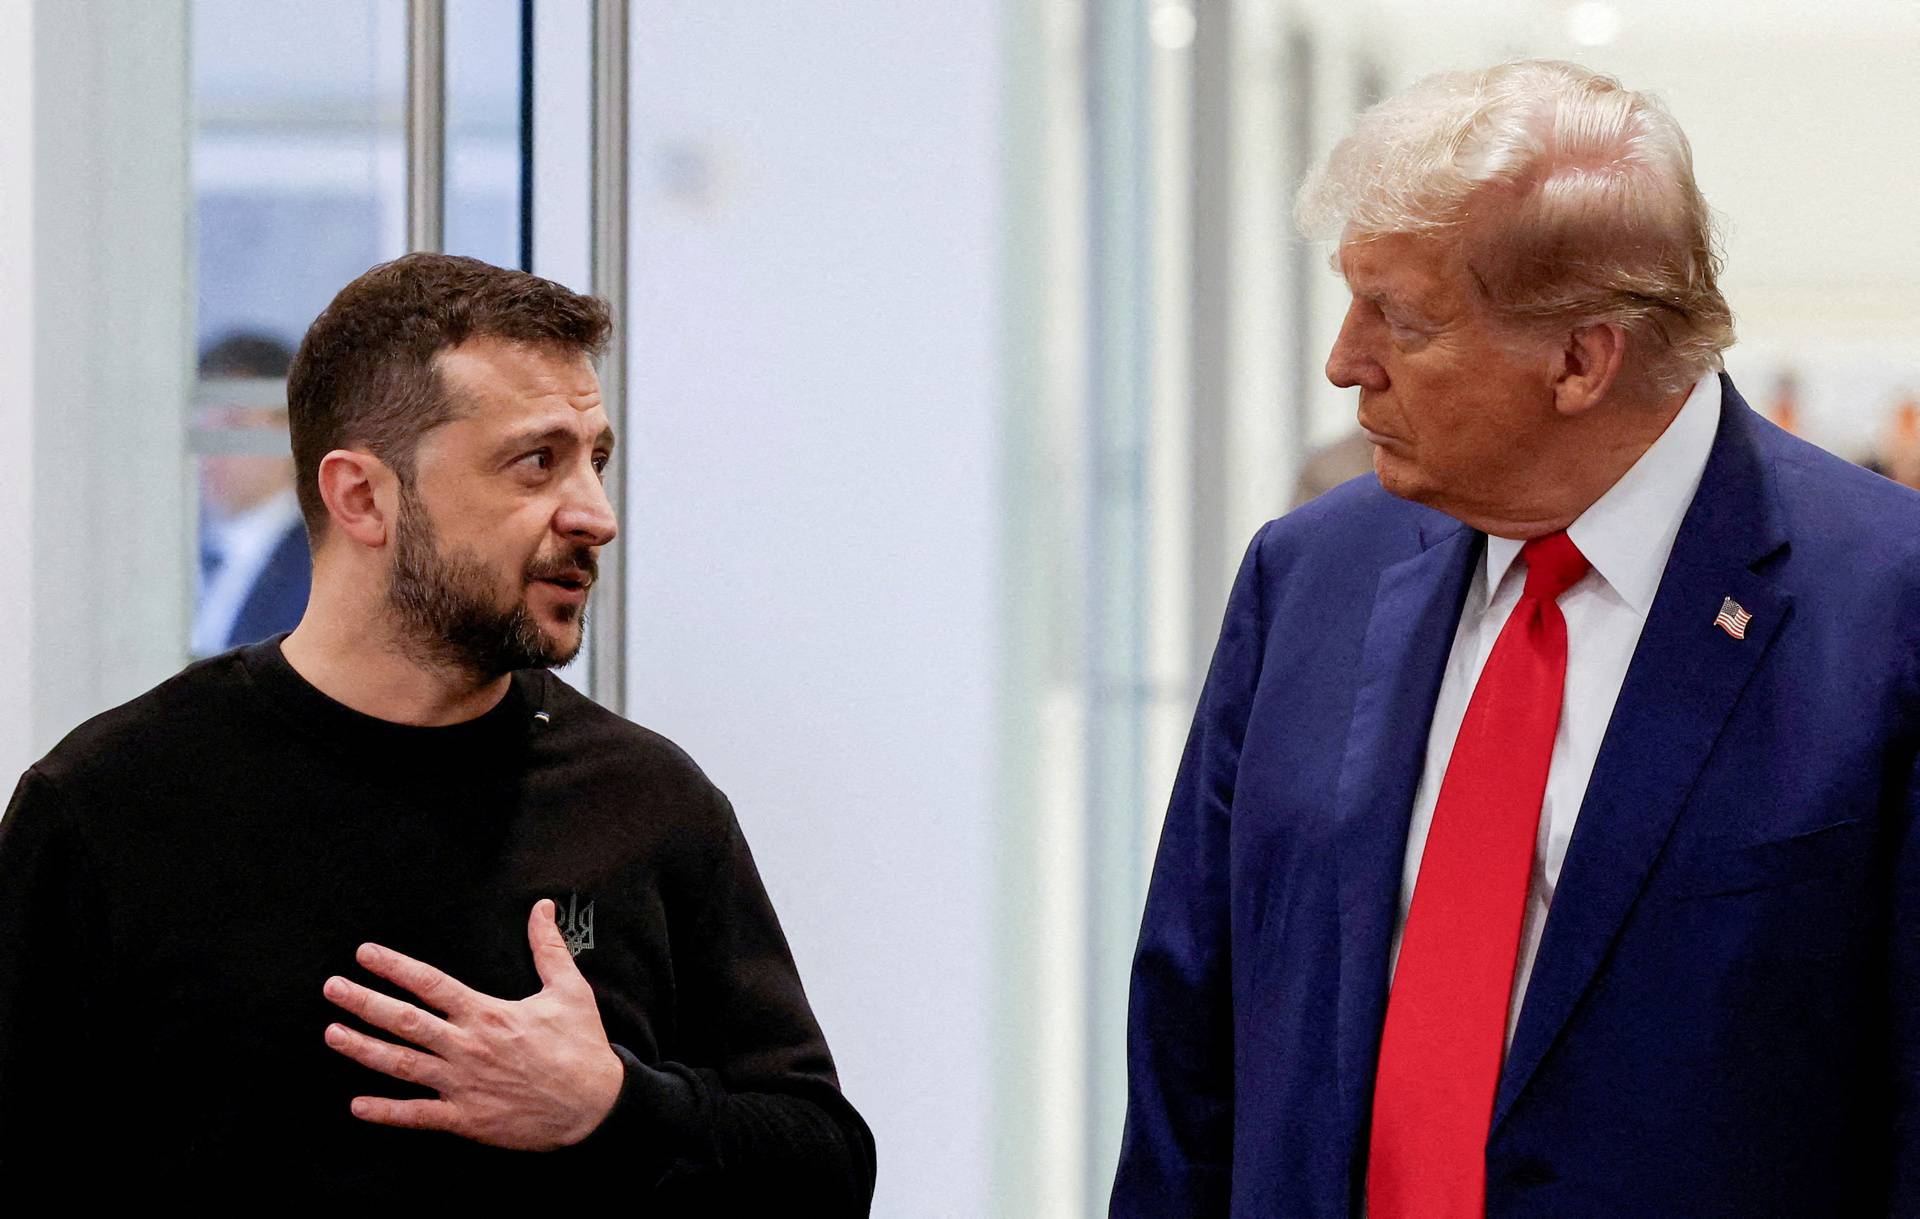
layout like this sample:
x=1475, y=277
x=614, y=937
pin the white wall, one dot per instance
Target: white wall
x=811, y=512
x=111, y=330
x=94, y=325
x=16, y=383
x=1804, y=142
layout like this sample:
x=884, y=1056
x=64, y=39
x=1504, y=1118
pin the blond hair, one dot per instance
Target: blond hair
x=1573, y=200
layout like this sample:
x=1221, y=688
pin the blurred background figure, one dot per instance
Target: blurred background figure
x=1332, y=464
x=1898, y=456
x=255, y=570
x=1783, y=408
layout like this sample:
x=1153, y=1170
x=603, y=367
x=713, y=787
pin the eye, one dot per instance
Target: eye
x=1405, y=331
x=600, y=462
x=539, y=459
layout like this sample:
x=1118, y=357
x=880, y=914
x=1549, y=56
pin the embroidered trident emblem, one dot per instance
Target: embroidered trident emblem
x=576, y=924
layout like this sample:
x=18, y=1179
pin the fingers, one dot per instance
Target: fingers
x=386, y=1012
x=551, y=956
x=439, y=990
x=388, y=1059
x=410, y=1114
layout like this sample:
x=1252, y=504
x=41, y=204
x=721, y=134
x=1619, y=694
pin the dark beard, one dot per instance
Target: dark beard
x=444, y=604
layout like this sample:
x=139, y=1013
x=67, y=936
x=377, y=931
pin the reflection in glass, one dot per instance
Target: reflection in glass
x=298, y=188
x=254, y=571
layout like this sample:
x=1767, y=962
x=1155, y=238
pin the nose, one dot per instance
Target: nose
x=586, y=514
x=1349, y=364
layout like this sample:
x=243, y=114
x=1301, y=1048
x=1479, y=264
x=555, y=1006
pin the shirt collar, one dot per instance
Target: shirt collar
x=251, y=526
x=1628, y=533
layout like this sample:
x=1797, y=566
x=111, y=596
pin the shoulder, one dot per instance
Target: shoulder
x=1849, y=558
x=1843, y=511
x=638, y=795
x=1354, y=530
x=152, y=725
x=1357, y=506
x=620, y=750
x=1851, y=553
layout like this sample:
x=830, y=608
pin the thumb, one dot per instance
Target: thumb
x=551, y=958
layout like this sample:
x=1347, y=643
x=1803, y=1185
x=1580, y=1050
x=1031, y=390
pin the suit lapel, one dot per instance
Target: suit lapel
x=1683, y=682
x=1416, y=610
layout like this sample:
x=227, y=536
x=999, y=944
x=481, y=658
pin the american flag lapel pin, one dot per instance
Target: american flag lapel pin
x=1732, y=618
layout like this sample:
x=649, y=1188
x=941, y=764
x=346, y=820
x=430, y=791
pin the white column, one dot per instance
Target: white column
x=16, y=384
x=1039, y=1028
x=1263, y=442
x=106, y=555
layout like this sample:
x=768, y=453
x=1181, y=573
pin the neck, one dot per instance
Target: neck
x=351, y=651
x=1594, y=452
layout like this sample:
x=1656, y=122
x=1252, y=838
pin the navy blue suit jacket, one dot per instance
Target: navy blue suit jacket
x=279, y=593
x=1724, y=1018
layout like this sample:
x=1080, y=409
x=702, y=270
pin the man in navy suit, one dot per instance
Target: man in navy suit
x=1544, y=844
x=255, y=568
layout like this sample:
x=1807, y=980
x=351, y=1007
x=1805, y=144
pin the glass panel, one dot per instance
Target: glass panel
x=298, y=179
x=485, y=82
x=297, y=156
x=299, y=186
x=253, y=573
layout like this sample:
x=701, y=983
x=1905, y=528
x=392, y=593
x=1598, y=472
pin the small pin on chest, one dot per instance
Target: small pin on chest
x=1733, y=618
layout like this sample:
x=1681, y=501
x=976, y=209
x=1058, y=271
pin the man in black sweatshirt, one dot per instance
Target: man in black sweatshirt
x=381, y=909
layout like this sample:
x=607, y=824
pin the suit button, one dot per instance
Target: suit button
x=1530, y=1171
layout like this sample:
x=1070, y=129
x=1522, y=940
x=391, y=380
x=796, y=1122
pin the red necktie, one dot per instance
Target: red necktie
x=1446, y=1023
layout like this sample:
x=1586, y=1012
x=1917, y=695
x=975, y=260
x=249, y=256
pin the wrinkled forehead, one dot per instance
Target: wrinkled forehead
x=1400, y=264
x=504, y=380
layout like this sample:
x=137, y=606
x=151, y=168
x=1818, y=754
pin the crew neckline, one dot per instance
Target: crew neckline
x=376, y=741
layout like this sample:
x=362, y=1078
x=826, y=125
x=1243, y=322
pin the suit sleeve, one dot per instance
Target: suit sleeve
x=753, y=1120
x=1176, y=1152
x=48, y=953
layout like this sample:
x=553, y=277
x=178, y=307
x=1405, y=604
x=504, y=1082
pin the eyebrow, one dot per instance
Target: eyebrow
x=1389, y=301
x=1407, y=310
x=533, y=438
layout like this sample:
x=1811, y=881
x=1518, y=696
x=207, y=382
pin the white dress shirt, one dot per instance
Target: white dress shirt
x=244, y=542
x=1627, y=536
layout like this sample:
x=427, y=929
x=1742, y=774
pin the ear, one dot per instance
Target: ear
x=361, y=495
x=1588, y=367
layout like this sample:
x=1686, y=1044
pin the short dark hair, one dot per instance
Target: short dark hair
x=246, y=353
x=365, y=376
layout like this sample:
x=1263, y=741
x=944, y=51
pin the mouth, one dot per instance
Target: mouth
x=1375, y=436
x=571, y=586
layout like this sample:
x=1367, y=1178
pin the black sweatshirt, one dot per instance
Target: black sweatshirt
x=180, y=876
